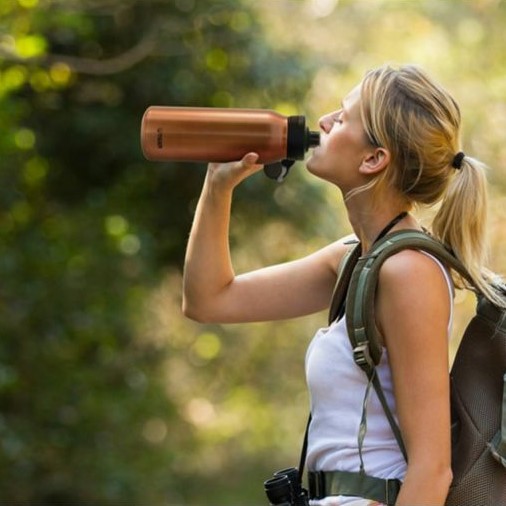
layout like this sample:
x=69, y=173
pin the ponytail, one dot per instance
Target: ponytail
x=418, y=121
x=461, y=220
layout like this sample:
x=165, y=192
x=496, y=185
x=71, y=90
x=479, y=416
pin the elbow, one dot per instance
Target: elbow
x=194, y=311
x=190, y=305
x=191, y=312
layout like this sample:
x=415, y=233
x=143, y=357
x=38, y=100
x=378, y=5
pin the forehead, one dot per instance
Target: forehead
x=351, y=101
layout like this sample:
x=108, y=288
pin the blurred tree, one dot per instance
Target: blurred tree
x=107, y=394
x=86, y=226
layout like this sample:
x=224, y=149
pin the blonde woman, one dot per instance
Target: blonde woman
x=392, y=144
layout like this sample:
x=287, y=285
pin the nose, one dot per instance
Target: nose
x=325, y=123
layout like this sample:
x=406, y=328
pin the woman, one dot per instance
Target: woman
x=392, y=145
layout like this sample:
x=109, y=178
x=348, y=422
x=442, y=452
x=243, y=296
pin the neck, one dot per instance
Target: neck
x=369, y=219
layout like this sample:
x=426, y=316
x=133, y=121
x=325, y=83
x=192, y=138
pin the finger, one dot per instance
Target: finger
x=250, y=159
x=247, y=161
x=249, y=164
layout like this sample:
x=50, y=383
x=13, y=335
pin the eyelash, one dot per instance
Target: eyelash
x=338, y=118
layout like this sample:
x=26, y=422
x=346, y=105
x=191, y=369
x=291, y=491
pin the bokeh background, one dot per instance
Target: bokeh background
x=108, y=395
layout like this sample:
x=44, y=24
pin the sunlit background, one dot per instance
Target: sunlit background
x=108, y=395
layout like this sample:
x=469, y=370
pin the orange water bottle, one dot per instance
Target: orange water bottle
x=225, y=134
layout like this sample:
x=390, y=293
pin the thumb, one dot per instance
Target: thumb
x=250, y=158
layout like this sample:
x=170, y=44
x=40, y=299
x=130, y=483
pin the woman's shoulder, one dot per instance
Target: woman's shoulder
x=413, y=267
x=413, y=293
x=410, y=262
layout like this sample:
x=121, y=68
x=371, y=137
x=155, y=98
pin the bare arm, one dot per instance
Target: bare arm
x=211, y=290
x=413, y=314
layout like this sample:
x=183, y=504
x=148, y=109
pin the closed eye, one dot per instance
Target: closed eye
x=338, y=117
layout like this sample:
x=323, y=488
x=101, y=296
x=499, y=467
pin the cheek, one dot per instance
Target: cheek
x=337, y=157
x=341, y=142
x=347, y=147
x=328, y=153
x=332, y=145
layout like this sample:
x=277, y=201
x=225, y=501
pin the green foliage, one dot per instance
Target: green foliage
x=108, y=395
x=87, y=227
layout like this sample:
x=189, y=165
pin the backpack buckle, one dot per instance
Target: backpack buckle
x=362, y=357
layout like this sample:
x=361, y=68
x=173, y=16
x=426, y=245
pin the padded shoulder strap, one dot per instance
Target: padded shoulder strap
x=360, y=312
x=346, y=267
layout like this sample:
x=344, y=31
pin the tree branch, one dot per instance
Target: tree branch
x=91, y=66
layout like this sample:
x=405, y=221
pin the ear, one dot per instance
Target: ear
x=375, y=161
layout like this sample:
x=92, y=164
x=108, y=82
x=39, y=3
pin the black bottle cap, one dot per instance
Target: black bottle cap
x=314, y=139
x=296, y=138
x=300, y=138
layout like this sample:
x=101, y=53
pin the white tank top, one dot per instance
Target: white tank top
x=337, y=387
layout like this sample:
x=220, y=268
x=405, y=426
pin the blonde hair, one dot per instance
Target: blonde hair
x=418, y=121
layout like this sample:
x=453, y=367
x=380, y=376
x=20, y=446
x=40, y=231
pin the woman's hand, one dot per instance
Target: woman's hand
x=229, y=175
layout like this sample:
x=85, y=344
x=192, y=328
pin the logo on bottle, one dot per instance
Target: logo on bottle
x=159, y=137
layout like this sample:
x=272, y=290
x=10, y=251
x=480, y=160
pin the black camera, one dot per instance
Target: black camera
x=285, y=489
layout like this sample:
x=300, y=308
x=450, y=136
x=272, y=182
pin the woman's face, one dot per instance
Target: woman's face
x=343, y=145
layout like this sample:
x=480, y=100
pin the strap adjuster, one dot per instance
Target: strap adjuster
x=392, y=487
x=317, y=489
x=362, y=357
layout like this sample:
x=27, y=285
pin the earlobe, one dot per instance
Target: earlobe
x=375, y=162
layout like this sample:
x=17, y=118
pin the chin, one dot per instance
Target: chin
x=314, y=167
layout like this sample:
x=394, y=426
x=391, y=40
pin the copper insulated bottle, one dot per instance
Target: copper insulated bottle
x=221, y=135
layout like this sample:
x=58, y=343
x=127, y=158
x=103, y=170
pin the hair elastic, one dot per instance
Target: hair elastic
x=457, y=160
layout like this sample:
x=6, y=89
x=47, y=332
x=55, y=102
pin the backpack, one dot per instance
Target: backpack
x=477, y=376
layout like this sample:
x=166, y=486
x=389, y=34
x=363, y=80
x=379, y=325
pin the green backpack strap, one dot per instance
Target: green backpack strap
x=360, y=312
x=345, y=270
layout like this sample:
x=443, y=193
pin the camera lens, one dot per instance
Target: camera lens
x=278, y=490
x=291, y=472
x=293, y=476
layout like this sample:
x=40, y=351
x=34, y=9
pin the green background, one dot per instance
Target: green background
x=108, y=395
